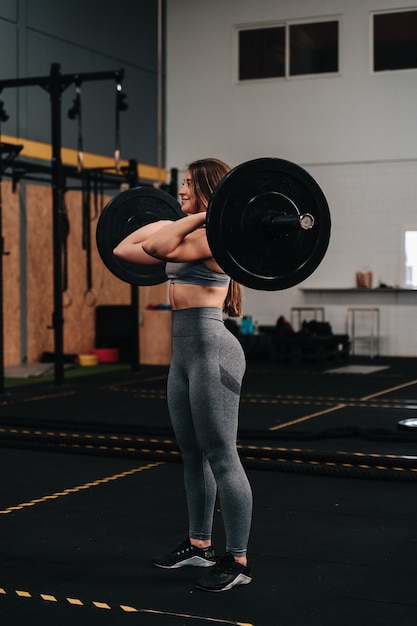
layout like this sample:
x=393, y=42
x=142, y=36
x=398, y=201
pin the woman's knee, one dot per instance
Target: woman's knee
x=223, y=462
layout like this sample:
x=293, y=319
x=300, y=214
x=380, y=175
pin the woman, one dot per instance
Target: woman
x=204, y=380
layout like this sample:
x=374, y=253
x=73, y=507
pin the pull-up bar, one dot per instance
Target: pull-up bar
x=55, y=84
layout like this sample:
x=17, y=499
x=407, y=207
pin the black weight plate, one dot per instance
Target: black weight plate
x=244, y=247
x=126, y=212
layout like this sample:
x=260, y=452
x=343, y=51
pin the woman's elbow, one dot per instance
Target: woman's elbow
x=151, y=250
x=125, y=252
x=118, y=251
x=135, y=254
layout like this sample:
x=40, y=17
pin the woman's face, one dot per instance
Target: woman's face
x=188, y=200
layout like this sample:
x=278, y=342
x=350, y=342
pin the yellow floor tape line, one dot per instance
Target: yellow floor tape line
x=125, y=608
x=78, y=488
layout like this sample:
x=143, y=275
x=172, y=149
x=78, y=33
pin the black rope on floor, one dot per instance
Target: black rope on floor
x=343, y=432
x=257, y=452
x=91, y=426
x=323, y=456
x=369, y=473
x=262, y=458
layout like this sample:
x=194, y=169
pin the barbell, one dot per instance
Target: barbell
x=268, y=225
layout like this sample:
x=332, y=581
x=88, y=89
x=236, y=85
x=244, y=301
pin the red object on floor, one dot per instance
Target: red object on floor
x=106, y=355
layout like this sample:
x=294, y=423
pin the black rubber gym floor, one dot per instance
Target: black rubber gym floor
x=91, y=489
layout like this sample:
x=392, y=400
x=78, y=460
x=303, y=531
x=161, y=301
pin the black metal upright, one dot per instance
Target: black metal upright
x=132, y=178
x=56, y=83
x=56, y=88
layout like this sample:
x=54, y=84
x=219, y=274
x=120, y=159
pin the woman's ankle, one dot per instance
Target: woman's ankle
x=242, y=560
x=200, y=543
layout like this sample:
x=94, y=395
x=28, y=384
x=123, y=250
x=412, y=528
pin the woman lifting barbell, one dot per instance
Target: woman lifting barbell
x=204, y=380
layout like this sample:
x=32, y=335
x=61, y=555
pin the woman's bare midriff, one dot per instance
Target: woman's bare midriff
x=190, y=296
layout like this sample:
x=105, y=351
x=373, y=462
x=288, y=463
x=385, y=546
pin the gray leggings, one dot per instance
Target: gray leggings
x=204, y=384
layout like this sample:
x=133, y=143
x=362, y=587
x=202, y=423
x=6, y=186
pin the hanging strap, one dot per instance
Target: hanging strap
x=80, y=146
x=73, y=113
x=89, y=295
x=121, y=105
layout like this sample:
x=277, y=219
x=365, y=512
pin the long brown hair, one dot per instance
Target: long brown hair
x=205, y=175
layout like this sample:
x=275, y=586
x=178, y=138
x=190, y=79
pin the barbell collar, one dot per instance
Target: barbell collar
x=307, y=221
x=280, y=223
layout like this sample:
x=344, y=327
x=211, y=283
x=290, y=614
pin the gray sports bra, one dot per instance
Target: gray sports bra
x=195, y=273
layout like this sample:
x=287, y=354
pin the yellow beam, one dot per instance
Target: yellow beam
x=43, y=151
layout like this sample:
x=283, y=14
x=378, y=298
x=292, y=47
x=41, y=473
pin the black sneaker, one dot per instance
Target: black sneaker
x=227, y=574
x=186, y=554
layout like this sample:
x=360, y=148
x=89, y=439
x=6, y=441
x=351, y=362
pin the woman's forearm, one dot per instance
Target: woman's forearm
x=166, y=242
x=130, y=248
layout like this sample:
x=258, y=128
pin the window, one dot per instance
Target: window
x=411, y=258
x=289, y=50
x=313, y=48
x=261, y=53
x=395, y=41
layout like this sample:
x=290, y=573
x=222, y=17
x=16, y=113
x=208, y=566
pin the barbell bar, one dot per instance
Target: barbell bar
x=268, y=225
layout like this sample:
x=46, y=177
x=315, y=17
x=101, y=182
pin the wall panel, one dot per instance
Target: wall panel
x=39, y=271
x=11, y=274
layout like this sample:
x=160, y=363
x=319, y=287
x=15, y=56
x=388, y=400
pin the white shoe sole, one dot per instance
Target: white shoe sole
x=241, y=579
x=194, y=561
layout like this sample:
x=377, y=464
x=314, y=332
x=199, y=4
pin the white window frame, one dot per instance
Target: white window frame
x=371, y=41
x=285, y=24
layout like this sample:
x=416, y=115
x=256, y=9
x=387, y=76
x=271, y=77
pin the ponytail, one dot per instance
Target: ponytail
x=233, y=302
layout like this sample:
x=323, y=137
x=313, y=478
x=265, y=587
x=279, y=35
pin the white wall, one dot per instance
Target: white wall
x=355, y=133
